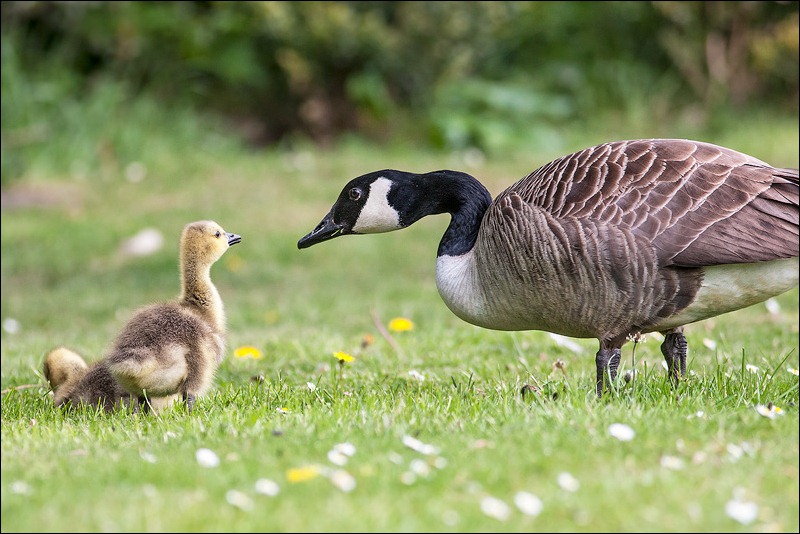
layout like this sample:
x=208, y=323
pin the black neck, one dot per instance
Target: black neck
x=458, y=194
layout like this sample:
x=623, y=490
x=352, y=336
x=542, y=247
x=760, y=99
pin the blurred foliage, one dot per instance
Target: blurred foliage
x=451, y=74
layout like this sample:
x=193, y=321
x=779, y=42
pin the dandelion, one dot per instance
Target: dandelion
x=621, y=431
x=302, y=474
x=494, y=507
x=265, y=486
x=343, y=357
x=751, y=368
x=207, y=458
x=567, y=482
x=528, y=503
x=400, y=324
x=247, y=351
x=239, y=500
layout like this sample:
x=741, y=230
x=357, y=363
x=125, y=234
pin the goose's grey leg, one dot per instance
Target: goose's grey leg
x=607, y=360
x=674, y=348
x=189, y=398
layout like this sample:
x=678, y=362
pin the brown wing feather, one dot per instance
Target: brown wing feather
x=697, y=203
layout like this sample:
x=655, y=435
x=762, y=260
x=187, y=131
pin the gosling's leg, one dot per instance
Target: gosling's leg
x=189, y=399
x=674, y=348
x=607, y=361
x=143, y=405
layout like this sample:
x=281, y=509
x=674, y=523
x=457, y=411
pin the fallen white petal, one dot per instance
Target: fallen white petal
x=567, y=482
x=751, y=368
x=11, y=325
x=239, y=500
x=772, y=306
x=528, y=503
x=672, y=462
x=336, y=457
x=144, y=243
x=343, y=480
x=566, y=343
x=419, y=467
x=621, y=431
x=348, y=449
x=265, y=486
x=207, y=457
x=417, y=445
x=20, y=487
x=741, y=511
x=495, y=508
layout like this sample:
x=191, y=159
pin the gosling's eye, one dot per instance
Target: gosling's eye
x=218, y=234
x=355, y=194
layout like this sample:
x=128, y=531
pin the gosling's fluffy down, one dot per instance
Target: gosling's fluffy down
x=74, y=382
x=166, y=349
x=176, y=347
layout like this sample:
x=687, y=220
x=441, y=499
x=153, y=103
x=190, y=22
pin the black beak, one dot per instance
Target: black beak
x=327, y=229
x=233, y=238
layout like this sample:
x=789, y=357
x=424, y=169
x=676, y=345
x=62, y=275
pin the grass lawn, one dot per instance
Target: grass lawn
x=427, y=429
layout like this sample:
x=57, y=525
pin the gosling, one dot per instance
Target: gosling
x=73, y=382
x=175, y=347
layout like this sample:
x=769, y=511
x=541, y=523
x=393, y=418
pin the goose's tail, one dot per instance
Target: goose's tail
x=62, y=366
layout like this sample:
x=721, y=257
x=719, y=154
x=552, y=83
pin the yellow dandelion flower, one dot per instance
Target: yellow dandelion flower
x=343, y=356
x=248, y=352
x=301, y=474
x=400, y=324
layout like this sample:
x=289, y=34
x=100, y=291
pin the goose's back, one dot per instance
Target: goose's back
x=698, y=204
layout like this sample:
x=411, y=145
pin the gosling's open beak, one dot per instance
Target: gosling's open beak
x=233, y=238
x=327, y=229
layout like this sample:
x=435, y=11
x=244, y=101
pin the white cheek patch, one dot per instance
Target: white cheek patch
x=377, y=215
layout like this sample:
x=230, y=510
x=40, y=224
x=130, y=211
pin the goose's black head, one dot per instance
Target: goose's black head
x=377, y=202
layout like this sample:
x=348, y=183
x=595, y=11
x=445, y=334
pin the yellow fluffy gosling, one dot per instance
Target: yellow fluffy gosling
x=175, y=347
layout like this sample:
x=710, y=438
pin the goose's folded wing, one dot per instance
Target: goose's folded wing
x=698, y=204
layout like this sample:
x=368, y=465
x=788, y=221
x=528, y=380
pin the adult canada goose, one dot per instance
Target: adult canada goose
x=614, y=241
x=175, y=347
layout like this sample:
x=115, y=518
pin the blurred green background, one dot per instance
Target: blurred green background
x=80, y=79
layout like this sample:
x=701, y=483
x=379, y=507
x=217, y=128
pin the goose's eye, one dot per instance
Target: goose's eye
x=218, y=234
x=354, y=194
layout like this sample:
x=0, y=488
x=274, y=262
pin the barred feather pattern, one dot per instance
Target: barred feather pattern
x=628, y=227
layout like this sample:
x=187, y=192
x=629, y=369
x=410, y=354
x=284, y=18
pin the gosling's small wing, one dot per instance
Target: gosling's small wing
x=697, y=203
